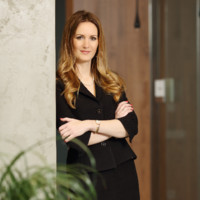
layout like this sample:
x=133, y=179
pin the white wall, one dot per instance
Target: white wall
x=27, y=76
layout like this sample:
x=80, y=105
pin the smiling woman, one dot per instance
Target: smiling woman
x=91, y=100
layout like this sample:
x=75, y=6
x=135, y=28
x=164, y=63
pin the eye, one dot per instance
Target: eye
x=79, y=37
x=93, y=38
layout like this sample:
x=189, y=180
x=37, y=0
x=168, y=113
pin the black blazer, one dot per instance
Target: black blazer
x=110, y=153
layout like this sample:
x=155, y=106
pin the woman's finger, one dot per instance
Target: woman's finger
x=120, y=105
x=69, y=138
x=124, y=107
x=63, y=132
x=62, y=127
x=123, y=111
x=72, y=129
x=66, y=119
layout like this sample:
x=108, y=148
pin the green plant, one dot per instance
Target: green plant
x=43, y=183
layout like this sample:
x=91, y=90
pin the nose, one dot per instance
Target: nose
x=86, y=43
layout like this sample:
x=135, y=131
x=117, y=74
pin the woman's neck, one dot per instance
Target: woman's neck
x=85, y=75
x=83, y=71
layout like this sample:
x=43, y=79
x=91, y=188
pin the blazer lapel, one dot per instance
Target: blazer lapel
x=83, y=90
x=99, y=92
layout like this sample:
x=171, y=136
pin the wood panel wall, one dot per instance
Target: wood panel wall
x=128, y=54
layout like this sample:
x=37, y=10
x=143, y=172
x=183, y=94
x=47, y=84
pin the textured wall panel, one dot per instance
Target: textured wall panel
x=27, y=76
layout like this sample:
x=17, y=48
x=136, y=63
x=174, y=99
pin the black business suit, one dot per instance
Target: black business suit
x=110, y=153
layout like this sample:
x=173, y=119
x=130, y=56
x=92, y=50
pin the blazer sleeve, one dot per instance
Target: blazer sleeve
x=130, y=121
x=64, y=110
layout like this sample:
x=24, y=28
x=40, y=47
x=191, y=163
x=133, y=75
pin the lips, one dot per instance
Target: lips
x=85, y=52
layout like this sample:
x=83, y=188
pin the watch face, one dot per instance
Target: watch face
x=98, y=122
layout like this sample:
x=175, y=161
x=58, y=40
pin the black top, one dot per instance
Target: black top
x=110, y=153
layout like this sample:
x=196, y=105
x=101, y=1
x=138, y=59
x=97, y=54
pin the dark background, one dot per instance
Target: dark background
x=60, y=22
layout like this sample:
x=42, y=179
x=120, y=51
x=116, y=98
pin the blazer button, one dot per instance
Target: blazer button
x=103, y=144
x=99, y=111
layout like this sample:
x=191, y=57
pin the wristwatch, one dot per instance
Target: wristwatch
x=98, y=125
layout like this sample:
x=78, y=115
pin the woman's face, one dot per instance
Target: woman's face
x=85, y=42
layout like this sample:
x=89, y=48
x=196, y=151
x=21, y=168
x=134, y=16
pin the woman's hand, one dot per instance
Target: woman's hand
x=123, y=109
x=73, y=128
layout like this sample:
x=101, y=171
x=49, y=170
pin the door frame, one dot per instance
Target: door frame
x=158, y=108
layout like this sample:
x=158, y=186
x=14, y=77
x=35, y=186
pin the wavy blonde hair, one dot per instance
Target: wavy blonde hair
x=105, y=78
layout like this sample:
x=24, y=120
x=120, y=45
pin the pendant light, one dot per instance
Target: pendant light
x=137, y=19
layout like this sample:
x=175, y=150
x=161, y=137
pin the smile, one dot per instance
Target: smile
x=85, y=52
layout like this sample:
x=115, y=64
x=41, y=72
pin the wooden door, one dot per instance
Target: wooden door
x=175, y=121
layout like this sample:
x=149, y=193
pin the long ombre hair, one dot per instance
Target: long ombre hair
x=105, y=78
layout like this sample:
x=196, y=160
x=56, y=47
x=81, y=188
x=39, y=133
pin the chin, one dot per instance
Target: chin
x=84, y=60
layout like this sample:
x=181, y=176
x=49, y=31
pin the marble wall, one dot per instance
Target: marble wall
x=27, y=77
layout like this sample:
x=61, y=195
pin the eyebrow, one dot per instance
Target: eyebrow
x=83, y=34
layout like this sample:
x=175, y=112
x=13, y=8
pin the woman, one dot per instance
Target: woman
x=92, y=106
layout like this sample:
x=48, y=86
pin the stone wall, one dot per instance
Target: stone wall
x=27, y=77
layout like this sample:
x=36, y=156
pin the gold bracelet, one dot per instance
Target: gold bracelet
x=98, y=125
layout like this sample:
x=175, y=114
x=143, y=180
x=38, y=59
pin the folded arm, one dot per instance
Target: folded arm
x=107, y=128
